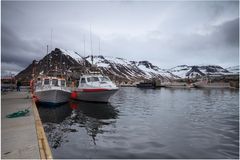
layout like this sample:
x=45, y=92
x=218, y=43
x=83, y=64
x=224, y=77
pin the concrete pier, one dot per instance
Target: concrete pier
x=20, y=136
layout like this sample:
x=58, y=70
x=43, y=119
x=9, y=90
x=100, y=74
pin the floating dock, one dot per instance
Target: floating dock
x=22, y=137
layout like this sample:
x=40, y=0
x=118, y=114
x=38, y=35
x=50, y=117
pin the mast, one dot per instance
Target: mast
x=91, y=44
x=61, y=69
x=84, y=45
x=84, y=67
x=47, y=60
x=91, y=40
x=99, y=47
x=51, y=38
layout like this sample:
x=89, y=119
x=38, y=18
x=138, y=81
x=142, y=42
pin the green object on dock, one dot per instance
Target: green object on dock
x=18, y=114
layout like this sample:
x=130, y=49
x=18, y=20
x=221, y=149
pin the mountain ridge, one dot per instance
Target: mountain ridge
x=120, y=69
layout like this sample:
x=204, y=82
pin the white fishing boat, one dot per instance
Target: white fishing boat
x=94, y=88
x=51, y=90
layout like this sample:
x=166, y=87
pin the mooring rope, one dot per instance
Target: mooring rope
x=20, y=113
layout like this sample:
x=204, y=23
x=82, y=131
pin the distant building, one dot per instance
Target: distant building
x=8, y=83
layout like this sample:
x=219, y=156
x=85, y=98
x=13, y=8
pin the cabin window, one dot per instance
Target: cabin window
x=92, y=79
x=55, y=82
x=46, y=81
x=62, y=82
x=104, y=79
x=83, y=80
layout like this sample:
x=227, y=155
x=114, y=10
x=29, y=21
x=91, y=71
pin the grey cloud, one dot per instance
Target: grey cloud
x=220, y=46
x=230, y=32
x=17, y=50
x=10, y=68
x=166, y=33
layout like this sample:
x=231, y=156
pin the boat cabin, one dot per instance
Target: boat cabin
x=51, y=81
x=93, y=79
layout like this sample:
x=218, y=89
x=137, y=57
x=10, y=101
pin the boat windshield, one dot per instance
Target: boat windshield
x=83, y=80
x=62, y=82
x=46, y=81
x=55, y=82
x=104, y=78
x=92, y=79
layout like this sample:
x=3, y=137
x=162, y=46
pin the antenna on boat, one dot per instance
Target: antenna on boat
x=51, y=38
x=61, y=69
x=84, y=45
x=91, y=44
x=84, y=67
x=91, y=39
x=47, y=60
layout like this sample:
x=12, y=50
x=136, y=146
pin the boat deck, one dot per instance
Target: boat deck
x=20, y=136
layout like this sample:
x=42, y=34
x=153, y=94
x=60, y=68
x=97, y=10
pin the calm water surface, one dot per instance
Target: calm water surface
x=147, y=123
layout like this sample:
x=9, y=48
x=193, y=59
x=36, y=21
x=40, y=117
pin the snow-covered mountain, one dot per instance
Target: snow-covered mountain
x=120, y=69
x=185, y=71
x=130, y=70
x=233, y=69
x=57, y=59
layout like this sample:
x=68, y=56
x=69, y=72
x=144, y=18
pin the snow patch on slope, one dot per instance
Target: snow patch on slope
x=233, y=69
x=72, y=54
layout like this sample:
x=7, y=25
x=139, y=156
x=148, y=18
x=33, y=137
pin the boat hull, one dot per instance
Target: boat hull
x=52, y=96
x=94, y=95
x=146, y=85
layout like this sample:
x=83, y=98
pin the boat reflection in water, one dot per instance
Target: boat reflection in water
x=55, y=113
x=61, y=121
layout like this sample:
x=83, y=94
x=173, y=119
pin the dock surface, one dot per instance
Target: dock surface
x=19, y=136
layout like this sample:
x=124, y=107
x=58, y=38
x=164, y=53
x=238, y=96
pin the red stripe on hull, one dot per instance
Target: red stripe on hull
x=94, y=90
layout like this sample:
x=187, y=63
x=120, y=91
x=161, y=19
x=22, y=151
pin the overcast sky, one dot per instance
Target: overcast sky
x=165, y=33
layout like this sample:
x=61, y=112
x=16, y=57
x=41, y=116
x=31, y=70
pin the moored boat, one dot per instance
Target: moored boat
x=146, y=85
x=51, y=90
x=94, y=88
x=182, y=85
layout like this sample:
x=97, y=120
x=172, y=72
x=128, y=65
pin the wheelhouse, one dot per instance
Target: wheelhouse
x=93, y=79
x=51, y=81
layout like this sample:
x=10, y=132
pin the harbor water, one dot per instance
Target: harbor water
x=147, y=123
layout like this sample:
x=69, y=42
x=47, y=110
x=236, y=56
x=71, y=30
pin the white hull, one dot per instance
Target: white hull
x=102, y=96
x=53, y=96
